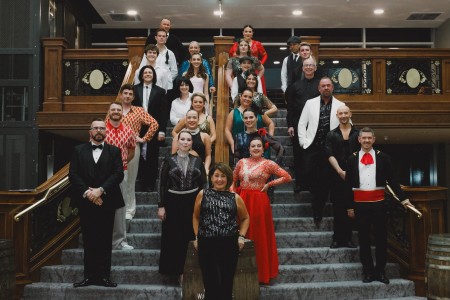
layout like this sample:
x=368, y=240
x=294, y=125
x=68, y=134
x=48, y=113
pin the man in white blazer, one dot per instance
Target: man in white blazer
x=317, y=119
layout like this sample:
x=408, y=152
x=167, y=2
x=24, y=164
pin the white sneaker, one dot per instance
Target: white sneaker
x=125, y=246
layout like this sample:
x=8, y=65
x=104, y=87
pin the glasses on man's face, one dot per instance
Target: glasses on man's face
x=98, y=128
x=309, y=66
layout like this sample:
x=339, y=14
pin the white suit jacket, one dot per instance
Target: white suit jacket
x=309, y=120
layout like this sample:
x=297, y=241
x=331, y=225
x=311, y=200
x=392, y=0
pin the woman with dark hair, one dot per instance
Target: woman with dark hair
x=252, y=174
x=153, y=99
x=198, y=76
x=256, y=48
x=219, y=237
x=181, y=176
x=235, y=121
x=205, y=122
x=242, y=139
x=259, y=99
x=181, y=105
x=234, y=69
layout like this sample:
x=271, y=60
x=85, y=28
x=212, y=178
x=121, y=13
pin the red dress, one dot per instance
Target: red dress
x=258, y=51
x=253, y=174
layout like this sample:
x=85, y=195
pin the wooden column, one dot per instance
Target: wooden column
x=222, y=45
x=315, y=44
x=53, y=76
x=430, y=202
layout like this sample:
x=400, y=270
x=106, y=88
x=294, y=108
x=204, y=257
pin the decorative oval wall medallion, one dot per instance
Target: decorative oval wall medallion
x=96, y=79
x=413, y=78
x=345, y=78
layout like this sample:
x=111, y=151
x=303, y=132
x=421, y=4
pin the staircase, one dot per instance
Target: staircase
x=309, y=269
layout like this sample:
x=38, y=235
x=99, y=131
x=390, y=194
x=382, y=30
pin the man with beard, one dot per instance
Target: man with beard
x=368, y=172
x=340, y=143
x=95, y=173
x=124, y=138
x=317, y=119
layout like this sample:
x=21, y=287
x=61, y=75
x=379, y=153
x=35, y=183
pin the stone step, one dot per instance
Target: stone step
x=150, y=274
x=278, y=210
x=327, y=273
x=58, y=291
x=287, y=256
x=337, y=290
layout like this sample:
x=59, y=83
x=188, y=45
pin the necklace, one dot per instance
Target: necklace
x=194, y=131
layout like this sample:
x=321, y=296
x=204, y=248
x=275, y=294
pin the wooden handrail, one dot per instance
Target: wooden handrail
x=222, y=109
x=58, y=186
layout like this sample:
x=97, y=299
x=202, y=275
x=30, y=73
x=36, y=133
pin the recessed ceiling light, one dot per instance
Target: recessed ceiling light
x=218, y=12
x=335, y=62
x=276, y=62
x=378, y=11
x=283, y=48
x=297, y=12
x=131, y=12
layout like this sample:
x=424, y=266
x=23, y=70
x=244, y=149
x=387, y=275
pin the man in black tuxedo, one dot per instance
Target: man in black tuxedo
x=95, y=173
x=153, y=99
x=367, y=173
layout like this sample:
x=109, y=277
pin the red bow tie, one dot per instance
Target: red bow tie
x=367, y=159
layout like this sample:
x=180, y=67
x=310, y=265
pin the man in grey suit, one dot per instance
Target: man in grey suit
x=317, y=119
x=95, y=173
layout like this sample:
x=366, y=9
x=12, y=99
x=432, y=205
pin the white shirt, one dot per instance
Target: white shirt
x=367, y=173
x=284, y=77
x=147, y=89
x=179, y=109
x=235, y=87
x=97, y=152
x=171, y=65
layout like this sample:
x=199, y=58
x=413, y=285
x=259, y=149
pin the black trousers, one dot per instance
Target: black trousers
x=372, y=217
x=96, y=227
x=317, y=172
x=218, y=259
x=342, y=224
x=300, y=180
x=148, y=167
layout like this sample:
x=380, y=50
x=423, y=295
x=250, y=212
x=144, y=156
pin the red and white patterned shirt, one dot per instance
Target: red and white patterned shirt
x=136, y=117
x=122, y=137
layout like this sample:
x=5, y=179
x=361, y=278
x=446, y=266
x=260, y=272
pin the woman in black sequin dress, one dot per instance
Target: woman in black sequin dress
x=219, y=236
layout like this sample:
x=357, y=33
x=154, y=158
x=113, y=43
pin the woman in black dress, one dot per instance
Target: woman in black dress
x=182, y=175
x=219, y=238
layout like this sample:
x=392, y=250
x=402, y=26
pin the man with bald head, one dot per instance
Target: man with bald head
x=340, y=143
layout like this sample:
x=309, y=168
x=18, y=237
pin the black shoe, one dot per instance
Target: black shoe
x=335, y=245
x=106, y=282
x=381, y=277
x=297, y=189
x=85, y=282
x=150, y=189
x=350, y=244
x=368, y=277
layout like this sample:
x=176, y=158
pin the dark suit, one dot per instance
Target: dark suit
x=157, y=108
x=97, y=221
x=371, y=213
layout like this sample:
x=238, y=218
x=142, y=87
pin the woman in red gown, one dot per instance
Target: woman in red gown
x=252, y=174
x=256, y=48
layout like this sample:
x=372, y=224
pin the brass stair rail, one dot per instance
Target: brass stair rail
x=55, y=188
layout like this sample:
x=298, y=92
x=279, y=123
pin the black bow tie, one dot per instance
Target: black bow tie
x=97, y=147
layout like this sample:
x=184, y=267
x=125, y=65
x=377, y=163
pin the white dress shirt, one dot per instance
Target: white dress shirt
x=367, y=173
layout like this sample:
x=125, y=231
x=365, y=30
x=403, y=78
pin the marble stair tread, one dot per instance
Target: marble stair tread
x=316, y=255
x=58, y=291
x=305, y=239
x=119, y=274
x=327, y=272
x=136, y=257
x=284, y=194
x=337, y=290
x=137, y=225
x=302, y=224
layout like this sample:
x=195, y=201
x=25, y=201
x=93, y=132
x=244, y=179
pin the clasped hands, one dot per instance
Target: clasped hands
x=94, y=195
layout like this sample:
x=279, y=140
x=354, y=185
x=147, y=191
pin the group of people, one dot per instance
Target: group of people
x=212, y=204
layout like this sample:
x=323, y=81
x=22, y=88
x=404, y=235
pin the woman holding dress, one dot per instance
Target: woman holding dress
x=181, y=177
x=252, y=174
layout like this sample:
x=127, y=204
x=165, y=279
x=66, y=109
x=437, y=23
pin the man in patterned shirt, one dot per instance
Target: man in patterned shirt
x=136, y=118
x=123, y=137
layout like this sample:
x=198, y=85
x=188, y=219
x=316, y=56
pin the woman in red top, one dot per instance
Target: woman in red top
x=256, y=48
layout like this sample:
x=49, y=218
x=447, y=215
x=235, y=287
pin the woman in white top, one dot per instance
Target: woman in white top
x=182, y=104
x=198, y=76
x=150, y=55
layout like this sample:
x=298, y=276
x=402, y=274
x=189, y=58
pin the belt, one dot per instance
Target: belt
x=183, y=192
x=368, y=195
